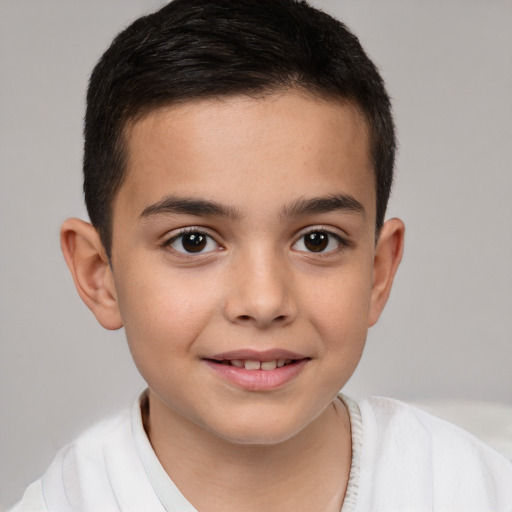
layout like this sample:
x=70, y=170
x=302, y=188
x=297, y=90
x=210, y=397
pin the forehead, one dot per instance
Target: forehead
x=248, y=152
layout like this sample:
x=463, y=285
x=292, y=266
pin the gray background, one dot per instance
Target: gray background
x=447, y=331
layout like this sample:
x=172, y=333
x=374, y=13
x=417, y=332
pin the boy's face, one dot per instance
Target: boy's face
x=245, y=231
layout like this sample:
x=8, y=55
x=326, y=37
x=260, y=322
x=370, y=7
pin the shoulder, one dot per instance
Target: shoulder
x=91, y=452
x=400, y=421
x=83, y=454
x=33, y=499
x=88, y=463
x=410, y=453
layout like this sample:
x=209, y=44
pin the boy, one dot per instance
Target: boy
x=238, y=160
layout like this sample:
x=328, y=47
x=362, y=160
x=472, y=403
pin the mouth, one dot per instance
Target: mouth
x=254, y=364
x=258, y=370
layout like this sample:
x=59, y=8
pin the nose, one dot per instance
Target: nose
x=261, y=291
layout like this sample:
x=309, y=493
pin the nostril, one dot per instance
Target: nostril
x=249, y=318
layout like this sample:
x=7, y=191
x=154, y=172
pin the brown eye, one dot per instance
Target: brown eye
x=193, y=242
x=316, y=241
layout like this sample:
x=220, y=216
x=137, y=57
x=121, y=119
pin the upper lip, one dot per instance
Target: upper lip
x=257, y=355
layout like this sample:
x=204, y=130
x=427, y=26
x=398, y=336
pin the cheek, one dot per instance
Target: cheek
x=340, y=317
x=163, y=314
x=339, y=303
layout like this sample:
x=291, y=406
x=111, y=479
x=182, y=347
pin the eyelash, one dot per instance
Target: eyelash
x=190, y=231
x=340, y=241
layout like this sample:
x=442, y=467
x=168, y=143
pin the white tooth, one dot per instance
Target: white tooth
x=237, y=363
x=280, y=363
x=252, y=365
x=269, y=365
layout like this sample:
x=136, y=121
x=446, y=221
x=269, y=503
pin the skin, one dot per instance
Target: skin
x=256, y=286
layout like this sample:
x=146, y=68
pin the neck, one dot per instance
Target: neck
x=307, y=472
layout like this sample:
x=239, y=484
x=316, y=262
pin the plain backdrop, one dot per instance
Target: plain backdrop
x=447, y=331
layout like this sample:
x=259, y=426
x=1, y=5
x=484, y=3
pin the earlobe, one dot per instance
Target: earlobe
x=388, y=255
x=90, y=268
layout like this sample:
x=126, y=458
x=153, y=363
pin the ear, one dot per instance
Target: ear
x=91, y=271
x=388, y=255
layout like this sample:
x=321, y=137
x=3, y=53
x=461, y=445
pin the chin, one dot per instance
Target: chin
x=257, y=432
x=250, y=438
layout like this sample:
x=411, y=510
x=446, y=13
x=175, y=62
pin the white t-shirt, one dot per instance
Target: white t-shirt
x=403, y=460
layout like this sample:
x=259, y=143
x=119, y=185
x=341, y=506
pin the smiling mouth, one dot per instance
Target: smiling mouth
x=260, y=371
x=252, y=364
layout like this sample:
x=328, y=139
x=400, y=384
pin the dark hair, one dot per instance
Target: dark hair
x=193, y=49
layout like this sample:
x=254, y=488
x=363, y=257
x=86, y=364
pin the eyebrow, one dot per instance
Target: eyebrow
x=189, y=206
x=317, y=205
x=204, y=207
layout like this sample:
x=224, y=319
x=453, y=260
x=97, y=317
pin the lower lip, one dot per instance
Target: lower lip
x=258, y=380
